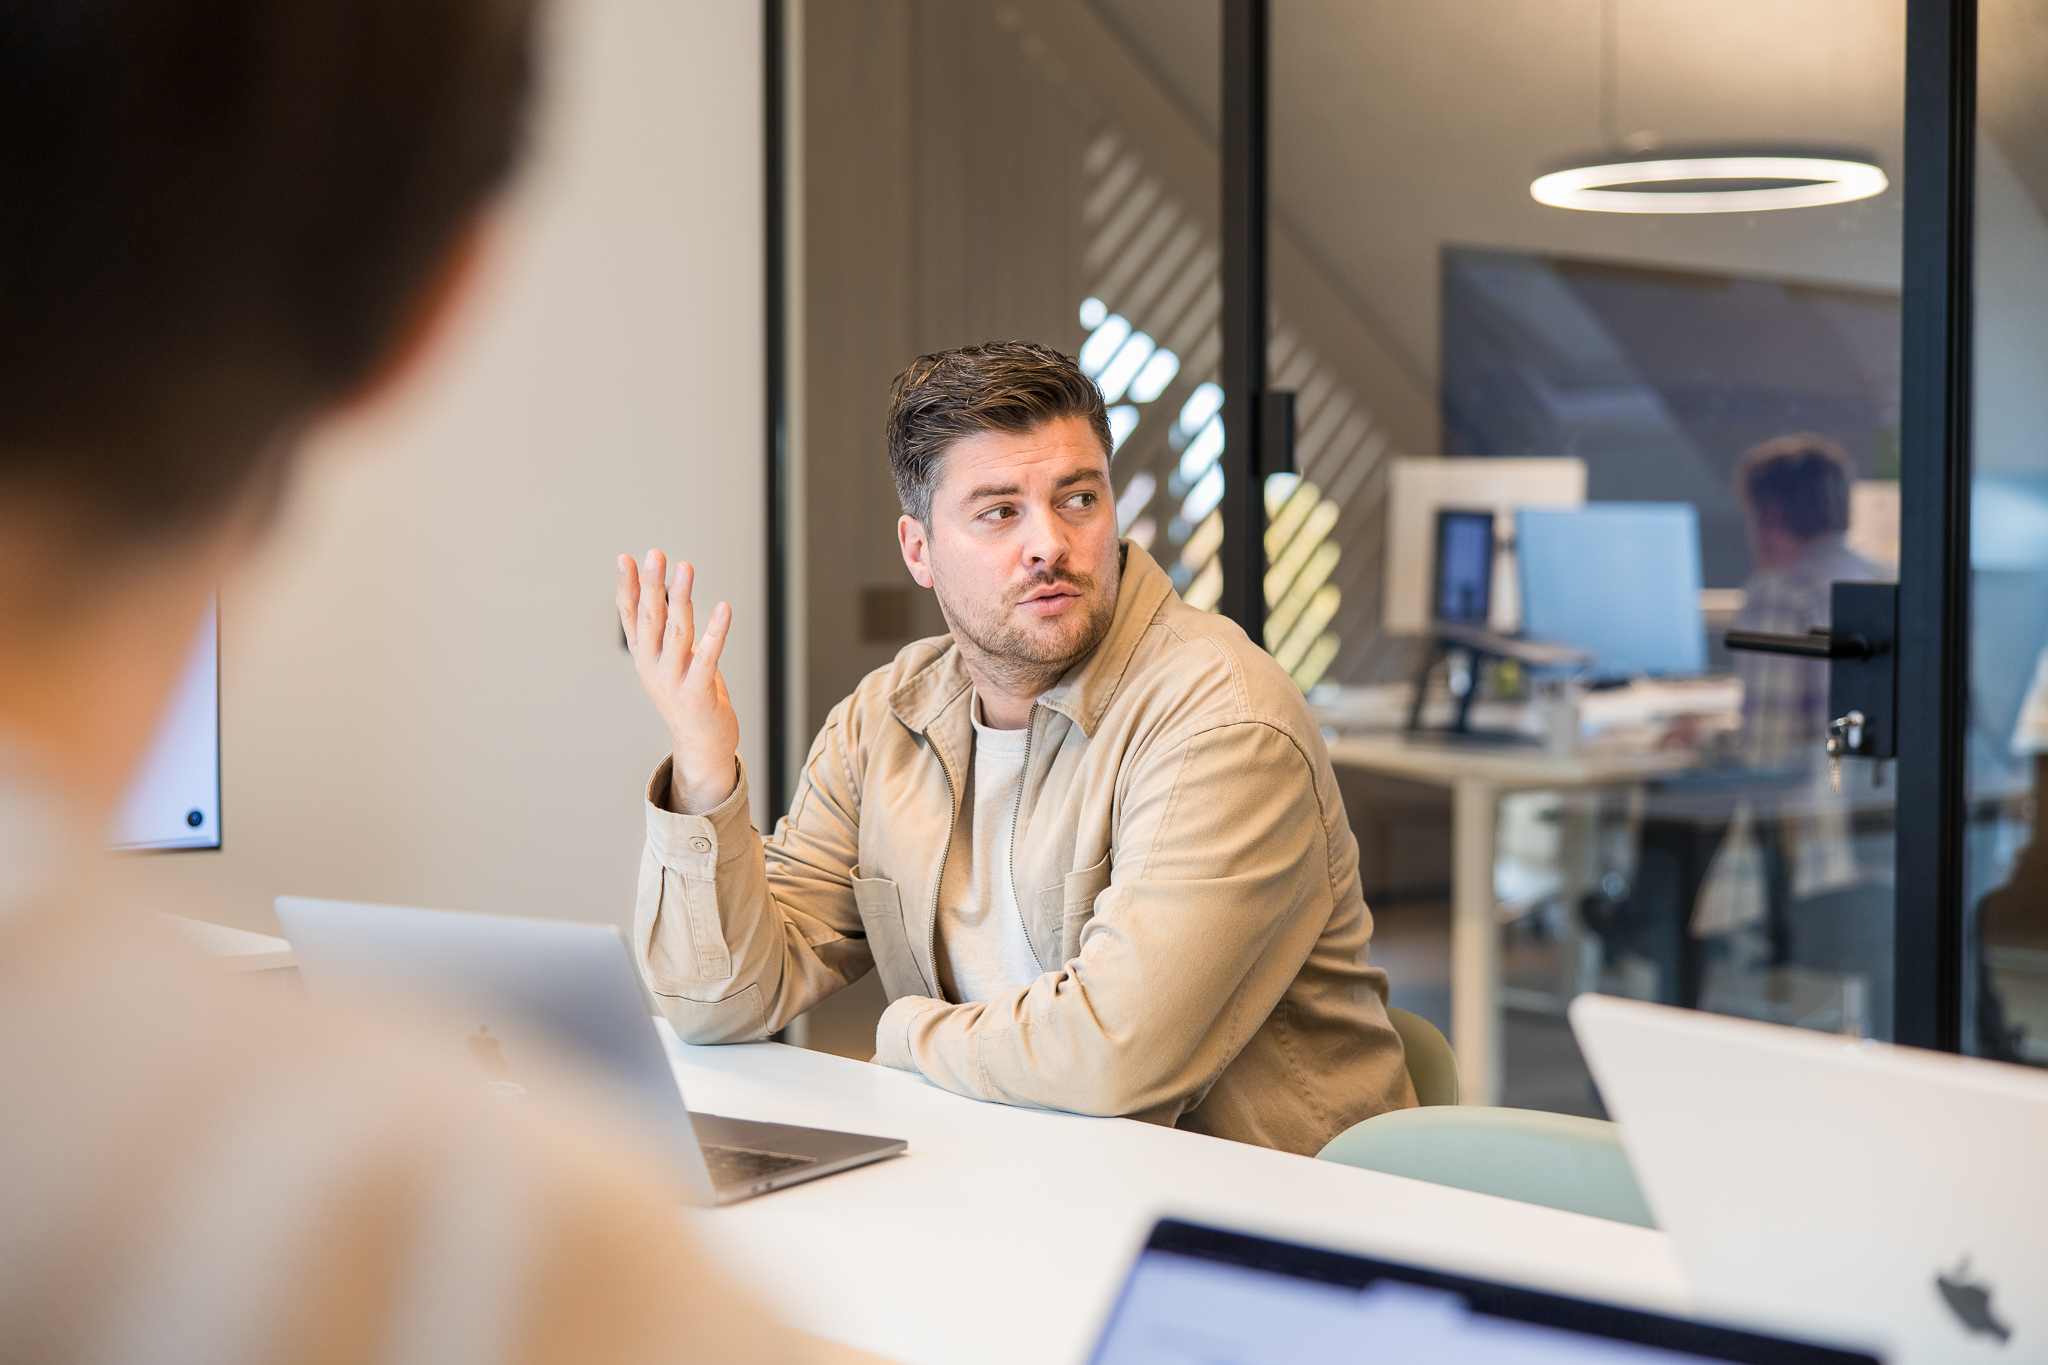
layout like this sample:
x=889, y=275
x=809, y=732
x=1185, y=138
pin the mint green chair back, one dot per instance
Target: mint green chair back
x=1432, y=1066
x=1557, y=1160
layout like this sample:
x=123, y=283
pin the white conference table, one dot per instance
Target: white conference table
x=1003, y=1234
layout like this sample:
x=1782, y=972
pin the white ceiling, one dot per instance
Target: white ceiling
x=1401, y=126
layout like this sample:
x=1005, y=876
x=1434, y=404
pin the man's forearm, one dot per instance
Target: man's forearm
x=728, y=959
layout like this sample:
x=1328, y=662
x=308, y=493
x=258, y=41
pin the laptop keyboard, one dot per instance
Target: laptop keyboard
x=732, y=1166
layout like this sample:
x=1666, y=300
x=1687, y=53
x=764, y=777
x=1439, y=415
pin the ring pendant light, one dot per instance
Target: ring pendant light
x=1731, y=180
x=1697, y=179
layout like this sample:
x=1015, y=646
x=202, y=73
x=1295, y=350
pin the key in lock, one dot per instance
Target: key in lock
x=1845, y=736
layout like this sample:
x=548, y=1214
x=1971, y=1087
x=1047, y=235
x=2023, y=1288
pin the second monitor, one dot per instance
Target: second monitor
x=1618, y=579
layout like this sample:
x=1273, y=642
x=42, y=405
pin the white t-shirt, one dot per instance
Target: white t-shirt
x=984, y=937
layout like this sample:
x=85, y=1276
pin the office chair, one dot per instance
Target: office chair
x=1557, y=1160
x=1432, y=1066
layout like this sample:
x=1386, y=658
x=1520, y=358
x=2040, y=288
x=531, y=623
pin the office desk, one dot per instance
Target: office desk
x=1478, y=776
x=1003, y=1234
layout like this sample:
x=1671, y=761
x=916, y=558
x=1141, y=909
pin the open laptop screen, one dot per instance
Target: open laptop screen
x=1202, y=1296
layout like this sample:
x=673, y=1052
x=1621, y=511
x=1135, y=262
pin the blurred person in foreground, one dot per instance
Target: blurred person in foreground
x=1090, y=840
x=224, y=221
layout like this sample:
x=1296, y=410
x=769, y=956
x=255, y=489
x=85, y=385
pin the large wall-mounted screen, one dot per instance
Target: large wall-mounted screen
x=174, y=801
x=1660, y=378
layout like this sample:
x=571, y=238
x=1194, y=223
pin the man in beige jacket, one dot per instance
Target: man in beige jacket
x=1091, y=839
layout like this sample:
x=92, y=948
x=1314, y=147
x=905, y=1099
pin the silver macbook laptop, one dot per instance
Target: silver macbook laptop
x=1855, y=1191
x=1203, y=1296
x=573, y=985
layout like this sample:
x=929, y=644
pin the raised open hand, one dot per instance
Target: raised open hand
x=681, y=673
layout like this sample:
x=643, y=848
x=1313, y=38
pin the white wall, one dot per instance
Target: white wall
x=424, y=699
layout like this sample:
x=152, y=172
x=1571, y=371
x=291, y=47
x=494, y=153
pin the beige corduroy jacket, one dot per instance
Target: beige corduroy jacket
x=1188, y=882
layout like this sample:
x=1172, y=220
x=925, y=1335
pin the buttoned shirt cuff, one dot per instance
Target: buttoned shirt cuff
x=690, y=844
x=892, y=1031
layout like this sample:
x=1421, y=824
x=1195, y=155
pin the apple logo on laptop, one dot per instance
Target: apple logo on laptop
x=1971, y=1303
x=484, y=1048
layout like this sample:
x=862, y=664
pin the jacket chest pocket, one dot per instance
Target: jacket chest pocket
x=881, y=914
x=1071, y=904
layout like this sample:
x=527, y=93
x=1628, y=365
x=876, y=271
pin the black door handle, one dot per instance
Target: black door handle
x=1864, y=668
x=1817, y=643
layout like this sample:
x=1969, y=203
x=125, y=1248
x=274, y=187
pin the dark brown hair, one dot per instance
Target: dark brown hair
x=1013, y=386
x=218, y=216
x=1803, y=479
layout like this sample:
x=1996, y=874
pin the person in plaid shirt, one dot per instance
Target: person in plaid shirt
x=1794, y=492
x=1795, y=501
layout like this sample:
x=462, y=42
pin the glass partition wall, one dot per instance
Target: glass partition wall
x=2006, y=892
x=1623, y=277
x=1583, y=332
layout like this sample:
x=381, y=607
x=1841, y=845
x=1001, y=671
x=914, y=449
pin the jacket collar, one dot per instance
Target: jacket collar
x=1088, y=688
x=1084, y=695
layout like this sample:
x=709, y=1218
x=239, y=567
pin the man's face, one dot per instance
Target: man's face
x=1022, y=548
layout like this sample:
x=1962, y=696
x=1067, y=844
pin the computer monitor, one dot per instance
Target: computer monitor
x=174, y=799
x=1620, y=579
x=1463, y=585
x=1418, y=486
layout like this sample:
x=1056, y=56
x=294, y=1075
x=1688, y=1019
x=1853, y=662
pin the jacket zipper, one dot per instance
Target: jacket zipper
x=945, y=851
x=1017, y=813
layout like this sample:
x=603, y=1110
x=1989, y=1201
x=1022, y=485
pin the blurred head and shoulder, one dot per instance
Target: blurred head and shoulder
x=225, y=223
x=1794, y=492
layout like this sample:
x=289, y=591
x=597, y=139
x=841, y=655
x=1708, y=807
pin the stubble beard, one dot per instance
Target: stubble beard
x=1015, y=658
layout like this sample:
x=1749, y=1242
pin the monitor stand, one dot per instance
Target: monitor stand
x=1483, y=645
